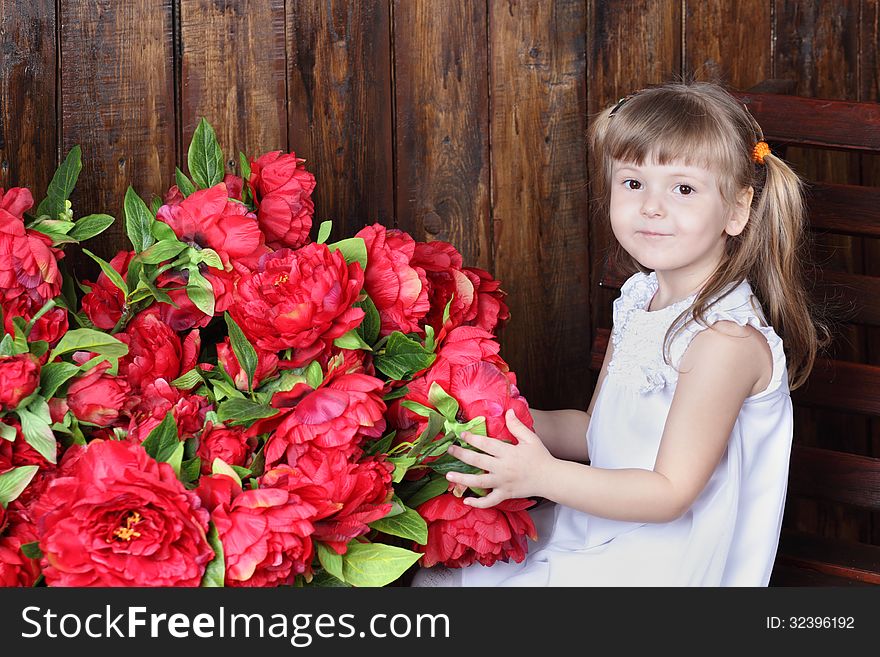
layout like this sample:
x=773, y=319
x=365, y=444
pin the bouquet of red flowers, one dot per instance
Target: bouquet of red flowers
x=232, y=403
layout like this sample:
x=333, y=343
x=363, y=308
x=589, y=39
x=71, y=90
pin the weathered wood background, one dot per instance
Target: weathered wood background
x=461, y=120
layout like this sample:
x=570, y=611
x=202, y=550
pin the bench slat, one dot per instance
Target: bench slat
x=816, y=121
x=838, y=558
x=835, y=476
x=843, y=386
x=849, y=209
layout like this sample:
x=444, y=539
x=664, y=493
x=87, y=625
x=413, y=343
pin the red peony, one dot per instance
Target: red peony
x=266, y=533
x=103, y=303
x=15, y=568
x=149, y=408
x=28, y=263
x=300, y=300
x=282, y=190
x=97, y=397
x=116, y=517
x=19, y=377
x=208, y=219
x=342, y=412
x=399, y=290
x=154, y=350
x=226, y=443
x=458, y=534
x=347, y=495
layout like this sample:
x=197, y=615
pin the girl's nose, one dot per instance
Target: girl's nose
x=651, y=206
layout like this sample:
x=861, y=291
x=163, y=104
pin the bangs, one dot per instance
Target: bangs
x=667, y=128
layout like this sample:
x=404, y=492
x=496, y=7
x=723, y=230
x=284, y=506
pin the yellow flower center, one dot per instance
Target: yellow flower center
x=281, y=280
x=127, y=532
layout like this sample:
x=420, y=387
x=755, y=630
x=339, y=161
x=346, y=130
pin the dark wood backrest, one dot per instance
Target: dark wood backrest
x=831, y=475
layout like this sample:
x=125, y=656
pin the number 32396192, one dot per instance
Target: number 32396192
x=811, y=623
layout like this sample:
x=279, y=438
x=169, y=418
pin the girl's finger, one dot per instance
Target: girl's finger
x=473, y=480
x=489, y=500
x=516, y=427
x=469, y=456
x=488, y=445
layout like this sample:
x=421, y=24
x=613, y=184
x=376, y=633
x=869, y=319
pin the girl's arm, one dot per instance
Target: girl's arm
x=564, y=432
x=719, y=370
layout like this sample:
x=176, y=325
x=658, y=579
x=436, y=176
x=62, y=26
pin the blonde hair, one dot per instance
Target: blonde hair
x=700, y=124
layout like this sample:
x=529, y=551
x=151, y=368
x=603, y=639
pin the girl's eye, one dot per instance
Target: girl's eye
x=629, y=183
x=684, y=190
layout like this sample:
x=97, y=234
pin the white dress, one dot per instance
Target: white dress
x=730, y=535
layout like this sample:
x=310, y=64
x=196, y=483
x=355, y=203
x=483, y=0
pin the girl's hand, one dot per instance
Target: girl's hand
x=511, y=470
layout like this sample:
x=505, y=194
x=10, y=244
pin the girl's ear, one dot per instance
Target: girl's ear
x=741, y=210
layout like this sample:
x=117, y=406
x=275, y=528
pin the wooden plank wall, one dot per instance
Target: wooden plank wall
x=456, y=120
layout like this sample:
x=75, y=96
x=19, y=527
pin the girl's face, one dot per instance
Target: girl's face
x=672, y=217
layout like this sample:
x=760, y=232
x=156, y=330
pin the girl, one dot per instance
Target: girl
x=689, y=429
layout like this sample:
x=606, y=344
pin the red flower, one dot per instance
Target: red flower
x=150, y=407
x=299, y=299
x=458, y=534
x=28, y=263
x=476, y=297
x=154, y=350
x=343, y=411
x=347, y=495
x=103, y=304
x=282, y=189
x=97, y=397
x=266, y=533
x=19, y=377
x=208, y=219
x=15, y=568
x=399, y=290
x=18, y=452
x=226, y=443
x=116, y=517
x=267, y=365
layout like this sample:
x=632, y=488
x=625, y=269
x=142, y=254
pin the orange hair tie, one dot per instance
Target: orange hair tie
x=760, y=151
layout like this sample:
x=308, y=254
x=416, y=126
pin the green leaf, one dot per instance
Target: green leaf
x=189, y=380
x=89, y=226
x=219, y=466
x=200, y=292
x=448, y=463
x=428, y=435
x=190, y=470
x=323, y=579
x=314, y=375
x=38, y=433
x=211, y=258
x=351, y=340
x=215, y=573
x=163, y=439
x=205, y=158
x=184, y=184
x=89, y=340
x=155, y=204
x=401, y=465
x=62, y=184
x=241, y=411
x=330, y=560
x=54, y=375
x=447, y=405
x=324, y=231
x=243, y=349
x=176, y=458
x=353, y=249
x=245, y=166
x=403, y=357
x=383, y=445
x=7, y=346
x=372, y=322
x=14, y=481
x=32, y=550
x=114, y=276
x=375, y=564
x=408, y=524
x=138, y=221
x=161, y=251
x=7, y=432
x=162, y=231
x=433, y=487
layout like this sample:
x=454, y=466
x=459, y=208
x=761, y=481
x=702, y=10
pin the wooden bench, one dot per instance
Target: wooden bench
x=832, y=476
